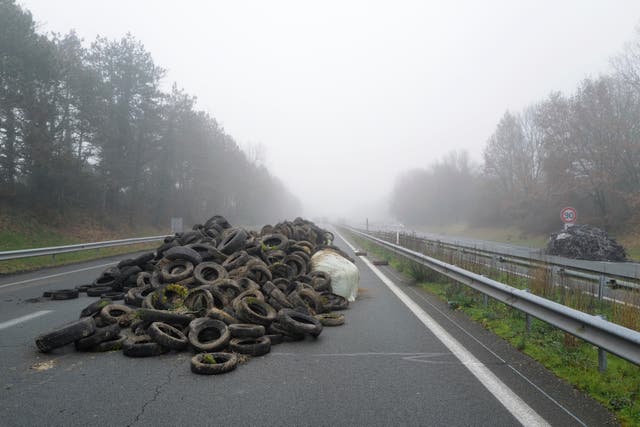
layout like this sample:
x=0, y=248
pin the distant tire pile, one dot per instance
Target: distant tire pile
x=218, y=290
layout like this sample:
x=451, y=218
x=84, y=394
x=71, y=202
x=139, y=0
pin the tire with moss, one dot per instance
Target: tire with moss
x=251, y=346
x=167, y=336
x=114, y=344
x=101, y=334
x=142, y=346
x=330, y=319
x=217, y=314
x=66, y=334
x=113, y=312
x=213, y=363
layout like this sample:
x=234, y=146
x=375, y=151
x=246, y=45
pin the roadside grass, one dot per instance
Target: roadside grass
x=21, y=230
x=568, y=357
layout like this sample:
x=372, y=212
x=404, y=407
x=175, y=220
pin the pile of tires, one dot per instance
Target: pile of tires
x=219, y=291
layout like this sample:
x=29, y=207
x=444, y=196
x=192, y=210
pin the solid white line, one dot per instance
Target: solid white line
x=56, y=275
x=17, y=320
x=511, y=401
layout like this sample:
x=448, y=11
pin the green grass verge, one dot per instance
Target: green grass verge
x=569, y=358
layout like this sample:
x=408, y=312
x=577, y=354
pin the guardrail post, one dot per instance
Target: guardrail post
x=527, y=318
x=485, y=300
x=601, y=285
x=602, y=354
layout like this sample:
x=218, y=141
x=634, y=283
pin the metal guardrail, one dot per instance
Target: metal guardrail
x=566, y=267
x=54, y=250
x=608, y=336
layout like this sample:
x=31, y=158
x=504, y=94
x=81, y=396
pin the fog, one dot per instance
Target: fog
x=339, y=98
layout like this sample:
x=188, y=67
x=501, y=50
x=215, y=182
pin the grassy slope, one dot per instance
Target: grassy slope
x=24, y=230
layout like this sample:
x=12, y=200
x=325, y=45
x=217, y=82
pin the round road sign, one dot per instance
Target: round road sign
x=568, y=215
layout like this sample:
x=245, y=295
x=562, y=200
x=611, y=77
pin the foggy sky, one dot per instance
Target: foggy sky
x=344, y=96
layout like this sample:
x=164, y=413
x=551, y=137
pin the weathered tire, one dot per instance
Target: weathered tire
x=167, y=336
x=277, y=329
x=246, y=330
x=224, y=362
x=235, y=260
x=235, y=240
x=275, y=241
x=275, y=339
x=135, y=296
x=62, y=294
x=113, y=312
x=101, y=334
x=253, y=310
x=176, y=270
x=142, y=346
x=251, y=346
x=183, y=253
x=207, y=273
x=199, y=300
x=97, y=291
x=217, y=314
x=330, y=319
x=227, y=287
x=66, y=334
x=114, y=296
x=150, y=316
x=110, y=345
x=332, y=301
x=321, y=281
x=299, y=323
x=208, y=335
x=94, y=307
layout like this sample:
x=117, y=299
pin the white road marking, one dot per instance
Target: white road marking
x=56, y=275
x=18, y=320
x=511, y=401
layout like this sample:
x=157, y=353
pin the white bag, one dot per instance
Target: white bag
x=345, y=276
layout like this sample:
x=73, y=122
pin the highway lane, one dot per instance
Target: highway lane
x=382, y=367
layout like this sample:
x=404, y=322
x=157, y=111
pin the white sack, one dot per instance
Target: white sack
x=345, y=276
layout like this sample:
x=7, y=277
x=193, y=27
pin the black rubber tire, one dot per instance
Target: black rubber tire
x=246, y=284
x=275, y=241
x=251, y=346
x=225, y=362
x=167, y=336
x=143, y=279
x=234, y=240
x=332, y=301
x=66, y=334
x=217, y=314
x=114, y=296
x=204, y=249
x=141, y=260
x=150, y=316
x=206, y=325
x=308, y=299
x=321, y=281
x=199, y=300
x=330, y=319
x=135, y=296
x=97, y=291
x=227, y=287
x=275, y=338
x=94, y=307
x=183, y=253
x=280, y=269
x=83, y=288
x=299, y=323
x=254, y=310
x=110, y=345
x=235, y=260
x=246, y=330
x=276, y=329
x=113, y=312
x=63, y=294
x=103, y=281
x=127, y=262
x=101, y=334
x=297, y=264
x=207, y=273
x=176, y=270
x=142, y=346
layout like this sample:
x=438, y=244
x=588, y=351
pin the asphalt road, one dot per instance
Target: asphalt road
x=383, y=367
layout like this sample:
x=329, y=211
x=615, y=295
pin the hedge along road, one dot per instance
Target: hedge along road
x=382, y=367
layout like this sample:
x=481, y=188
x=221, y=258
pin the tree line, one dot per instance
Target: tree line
x=89, y=128
x=580, y=150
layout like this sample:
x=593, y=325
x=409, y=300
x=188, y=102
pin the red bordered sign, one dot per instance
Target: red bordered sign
x=568, y=215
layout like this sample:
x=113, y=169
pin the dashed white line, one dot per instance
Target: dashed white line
x=55, y=275
x=511, y=401
x=21, y=319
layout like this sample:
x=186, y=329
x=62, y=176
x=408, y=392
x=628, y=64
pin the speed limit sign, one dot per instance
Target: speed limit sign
x=568, y=215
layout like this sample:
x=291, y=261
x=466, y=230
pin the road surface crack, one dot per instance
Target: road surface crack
x=156, y=394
